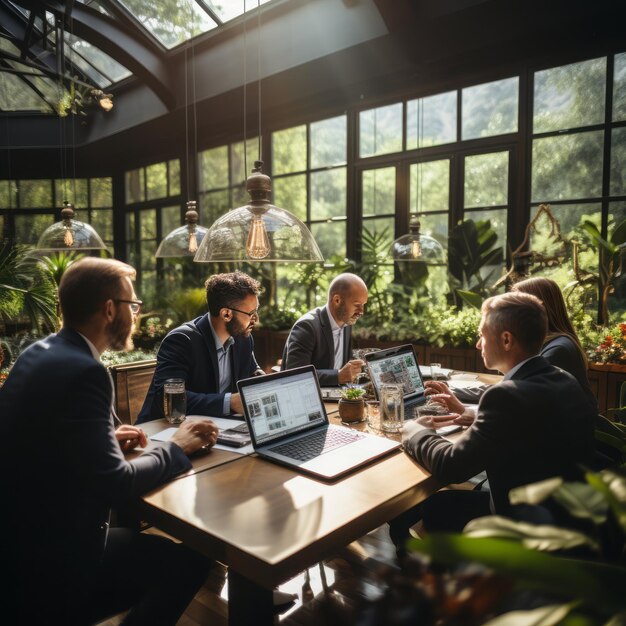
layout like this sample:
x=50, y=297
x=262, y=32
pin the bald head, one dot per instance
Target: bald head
x=347, y=296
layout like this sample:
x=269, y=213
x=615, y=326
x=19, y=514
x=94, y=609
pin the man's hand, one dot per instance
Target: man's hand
x=349, y=371
x=440, y=392
x=192, y=435
x=236, y=405
x=131, y=437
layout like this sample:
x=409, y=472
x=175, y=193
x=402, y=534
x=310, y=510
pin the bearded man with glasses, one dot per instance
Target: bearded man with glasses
x=212, y=352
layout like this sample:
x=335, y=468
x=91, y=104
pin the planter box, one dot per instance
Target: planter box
x=606, y=381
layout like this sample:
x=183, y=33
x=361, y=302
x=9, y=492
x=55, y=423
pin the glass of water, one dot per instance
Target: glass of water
x=391, y=407
x=435, y=371
x=174, y=400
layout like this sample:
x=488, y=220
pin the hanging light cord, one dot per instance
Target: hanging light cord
x=258, y=56
x=245, y=78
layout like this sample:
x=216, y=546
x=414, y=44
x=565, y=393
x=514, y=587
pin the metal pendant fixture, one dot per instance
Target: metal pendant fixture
x=258, y=231
x=70, y=234
x=184, y=240
x=417, y=247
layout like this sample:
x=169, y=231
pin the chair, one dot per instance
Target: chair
x=131, y=382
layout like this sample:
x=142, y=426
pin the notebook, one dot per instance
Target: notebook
x=288, y=424
x=397, y=365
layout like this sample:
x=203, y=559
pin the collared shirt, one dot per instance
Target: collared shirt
x=94, y=350
x=337, y=339
x=223, y=364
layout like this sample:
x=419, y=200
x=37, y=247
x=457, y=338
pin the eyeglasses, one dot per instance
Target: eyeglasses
x=253, y=314
x=135, y=305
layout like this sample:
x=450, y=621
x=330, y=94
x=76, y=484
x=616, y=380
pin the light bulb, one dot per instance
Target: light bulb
x=416, y=249
x=193, y=242
x=258, y=243
x=68, y=237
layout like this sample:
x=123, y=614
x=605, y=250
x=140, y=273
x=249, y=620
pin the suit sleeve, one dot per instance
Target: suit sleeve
x=88, y=442
x=299, y=351
x=469, y=455
x=175, y=360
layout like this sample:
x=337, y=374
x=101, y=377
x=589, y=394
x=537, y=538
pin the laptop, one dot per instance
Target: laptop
x=397, y=365
x=288, y=424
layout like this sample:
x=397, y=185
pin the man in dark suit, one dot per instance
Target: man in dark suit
x=212, y=352
x=62, y=468
x=536, y=423
x=323, y=337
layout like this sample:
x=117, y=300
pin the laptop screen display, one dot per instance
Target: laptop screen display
x=399, y=368
x=283, y=405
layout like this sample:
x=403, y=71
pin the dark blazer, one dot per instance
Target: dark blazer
x=61, y=467
x=310, y=342
x=189, y=352
x=537, y=425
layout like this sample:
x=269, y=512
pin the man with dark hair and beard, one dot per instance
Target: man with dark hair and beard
x=63, y=468
x=212, y=352
x=323, y=337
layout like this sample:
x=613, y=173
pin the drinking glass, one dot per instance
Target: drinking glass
x=174, y=400
x=435, y=371
x=372, y=409
x=391, y=407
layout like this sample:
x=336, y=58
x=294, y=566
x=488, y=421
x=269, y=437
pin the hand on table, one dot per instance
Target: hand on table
x=440, y=392
x=130, y=437
x=192, y=435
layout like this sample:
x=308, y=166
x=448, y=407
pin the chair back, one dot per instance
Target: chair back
x=132, y=381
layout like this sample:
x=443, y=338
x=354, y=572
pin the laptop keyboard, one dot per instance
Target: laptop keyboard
x=306, y=448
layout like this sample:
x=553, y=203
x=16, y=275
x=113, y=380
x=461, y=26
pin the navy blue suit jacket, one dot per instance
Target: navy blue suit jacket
x=61, y=467
x=310, y=342
x=189, y=352
x=537, y=425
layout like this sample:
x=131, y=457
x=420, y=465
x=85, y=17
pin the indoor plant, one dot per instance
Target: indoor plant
x=351, y=404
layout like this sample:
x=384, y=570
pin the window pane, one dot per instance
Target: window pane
x=379, y=191
x=147, y=224
x=102, y=221
x=35, y=193
x=237, y=169
x=213, y=205
x=486, y=179
x=328, y=194
x=567, y=166
x=618, y=162
x=431, y=121
x=214, y=168
x=16, y=96
x=101, y=192
x=135, y=186
x=435, y=225
x=170, y=219
x=28, y=228
x=328, y=142
x=148, y=286
x=290, y=194
x=240, y=196
x=156, y=181
x=498, y=218
x=378, y=226
x=78, y=196
x=570, y=96
x=148, y=250
x=430, y=186
x=289, y=150
x=5, y=194
x=174, y=177
x=130, y=226
x=380, y=130
x=82, y=215
x=619, y=88
x=331, y=238
x=490, y=109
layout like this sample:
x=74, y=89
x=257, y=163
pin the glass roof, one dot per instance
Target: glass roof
x=29, y=82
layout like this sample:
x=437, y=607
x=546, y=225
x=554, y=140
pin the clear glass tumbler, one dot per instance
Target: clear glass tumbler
x=174, y=400
x=391, y=407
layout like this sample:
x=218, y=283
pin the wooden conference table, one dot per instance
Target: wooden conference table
x=268, y=523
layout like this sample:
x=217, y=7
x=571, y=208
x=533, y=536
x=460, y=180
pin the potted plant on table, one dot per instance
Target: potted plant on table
x=351, y=404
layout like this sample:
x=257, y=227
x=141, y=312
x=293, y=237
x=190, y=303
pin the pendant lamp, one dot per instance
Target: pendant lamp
x=69, y=234
x=417, y=247
x=184, y=240
x=258, y=231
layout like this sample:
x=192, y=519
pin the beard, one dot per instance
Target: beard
x=119, y=334
x=342, y=314
x=236, y=329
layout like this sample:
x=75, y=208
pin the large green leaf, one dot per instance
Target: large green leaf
x=535, y=536
x=543, y=616
x=472, y=298
x=535, y=493
x=597, y=584
x=582, y=501
x=618, y=236
x=611, y=483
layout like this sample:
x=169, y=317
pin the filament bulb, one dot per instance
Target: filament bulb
x=193, y=242
x=68, y=238
x=258, y=243
x=416, y=249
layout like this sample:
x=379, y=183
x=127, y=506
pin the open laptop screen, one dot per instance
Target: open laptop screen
x=398, y=366
x=282, y=404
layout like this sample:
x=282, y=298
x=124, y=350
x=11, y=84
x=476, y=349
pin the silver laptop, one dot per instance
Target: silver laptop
x=397, y=365
x=288, y=425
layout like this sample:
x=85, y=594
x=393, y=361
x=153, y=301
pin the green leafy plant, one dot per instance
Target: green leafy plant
x=57, y=263
x=352, y=393
x=109, y=357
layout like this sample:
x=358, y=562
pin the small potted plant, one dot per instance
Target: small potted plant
x=351, y=404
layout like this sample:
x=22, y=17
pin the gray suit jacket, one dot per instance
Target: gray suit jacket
x=310, y=342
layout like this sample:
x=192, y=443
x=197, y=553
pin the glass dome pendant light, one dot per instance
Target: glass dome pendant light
x=417, y=247
x=69, y=234
x=184, y=240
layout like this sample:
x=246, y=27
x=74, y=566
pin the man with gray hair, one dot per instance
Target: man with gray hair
x=323, y=337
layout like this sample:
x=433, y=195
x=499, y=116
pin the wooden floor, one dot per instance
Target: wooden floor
x=326, y=598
